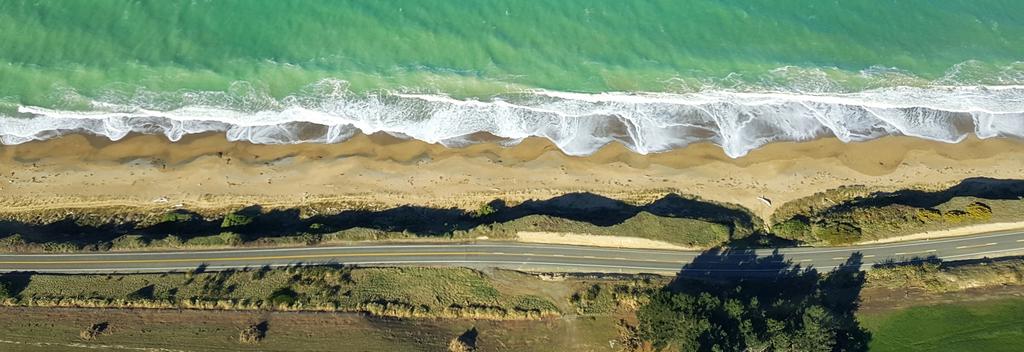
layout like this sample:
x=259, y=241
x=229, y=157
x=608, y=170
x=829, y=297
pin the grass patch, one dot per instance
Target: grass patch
x=681, y=231
x=236, y=219
x=223, y=239
x=604, y=298
x=852, y=214
x=396, y=292
x=996, y=325
x=939, y=277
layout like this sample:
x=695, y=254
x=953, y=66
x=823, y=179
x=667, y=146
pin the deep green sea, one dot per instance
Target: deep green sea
x=653, y=75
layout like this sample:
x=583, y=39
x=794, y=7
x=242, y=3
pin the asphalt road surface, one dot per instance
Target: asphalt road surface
x=530, y=257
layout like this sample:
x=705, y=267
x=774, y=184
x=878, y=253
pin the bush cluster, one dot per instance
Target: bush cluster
x=396, y=292
x=849, y=223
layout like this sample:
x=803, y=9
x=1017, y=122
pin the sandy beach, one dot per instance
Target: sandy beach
x=206, y=171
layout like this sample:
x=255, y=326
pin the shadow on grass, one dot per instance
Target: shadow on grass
x=14, y=282
x=254, y=222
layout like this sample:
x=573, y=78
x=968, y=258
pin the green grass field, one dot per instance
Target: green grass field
x=996, y=325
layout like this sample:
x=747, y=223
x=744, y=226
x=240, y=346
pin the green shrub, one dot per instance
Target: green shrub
x=221, y=239
x=979, y=211
x=252, y=334
x=235, y=219
x=796, y=228
x=283, y=296
x=484, y=210
x=128, y=242
x=169, y=241
x=837, y=234
x=176, y=217
x=928, y=216
x=59, y=247
x=926, y=275
x=976, y=211
x=13, y=243
x=955, y=216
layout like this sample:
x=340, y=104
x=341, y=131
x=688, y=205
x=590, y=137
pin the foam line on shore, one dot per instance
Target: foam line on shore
x=577, y=123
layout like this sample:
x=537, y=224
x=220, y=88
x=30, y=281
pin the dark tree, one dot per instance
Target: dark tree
x=737, y=301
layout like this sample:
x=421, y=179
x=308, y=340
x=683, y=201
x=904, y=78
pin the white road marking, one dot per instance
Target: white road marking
x=905, y=253
x=978, y=245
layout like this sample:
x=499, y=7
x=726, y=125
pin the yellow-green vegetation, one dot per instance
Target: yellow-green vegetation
x=176, y=217
x=819, y=202
x=846, y=225
x=235, y=219
x=484, y=210
x=395, y=292
x=128, y=242
x=934, y=276
x=853, y=214
x=993, y=325
x=682, y=231
x=608, y=297
x=17, y=243
x=221, y=239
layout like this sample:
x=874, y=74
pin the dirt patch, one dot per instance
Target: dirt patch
x=592, y=240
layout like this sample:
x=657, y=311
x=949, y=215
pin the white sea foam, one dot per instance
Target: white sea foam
x=577, y=123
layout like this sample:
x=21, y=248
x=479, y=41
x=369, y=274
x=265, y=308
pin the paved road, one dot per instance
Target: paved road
x=531, y=257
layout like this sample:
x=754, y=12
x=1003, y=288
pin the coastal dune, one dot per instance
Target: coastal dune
x=207, y=171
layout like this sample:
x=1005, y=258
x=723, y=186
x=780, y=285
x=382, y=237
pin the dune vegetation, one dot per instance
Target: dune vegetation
x=841, y=216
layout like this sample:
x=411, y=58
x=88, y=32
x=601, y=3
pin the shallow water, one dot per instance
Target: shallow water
x=654, y=75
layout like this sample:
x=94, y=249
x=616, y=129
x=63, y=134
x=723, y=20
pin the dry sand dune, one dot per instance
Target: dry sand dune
x=206, y=171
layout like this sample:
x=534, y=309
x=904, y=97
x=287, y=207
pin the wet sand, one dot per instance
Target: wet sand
x=206, y=171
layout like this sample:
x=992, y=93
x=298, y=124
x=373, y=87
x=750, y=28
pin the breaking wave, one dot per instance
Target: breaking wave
x=578, y=123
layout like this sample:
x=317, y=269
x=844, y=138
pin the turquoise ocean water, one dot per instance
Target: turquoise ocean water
x=653, y=75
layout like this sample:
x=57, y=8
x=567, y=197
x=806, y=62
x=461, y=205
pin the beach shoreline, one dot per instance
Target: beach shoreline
x=378, y=171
